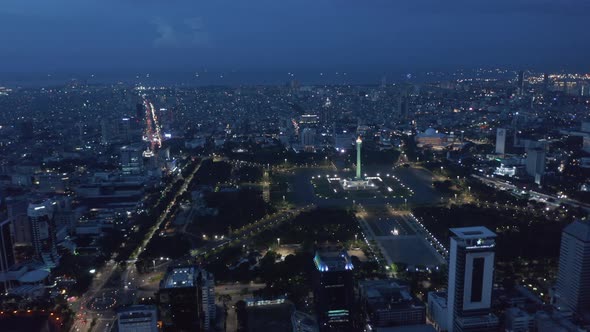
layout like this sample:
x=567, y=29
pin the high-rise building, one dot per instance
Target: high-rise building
x=125, y=130
x=106, y=131
x=138, y=318
x=308, y=138
x=44, y=232
x=139, y=111
x=334, y=290
x=500, y=141
x=6, y=251
x=403, y=107
x=520, y=82
x=573, y=278
x=186, y=299
x=208, y=299
x=471, y=274
x=132, y=159
x=535, y=162
x=546, y=82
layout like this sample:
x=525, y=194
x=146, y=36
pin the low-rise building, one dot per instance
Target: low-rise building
x=387, y=303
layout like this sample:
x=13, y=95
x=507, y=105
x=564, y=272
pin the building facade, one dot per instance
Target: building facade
x=138, y=318
x=573, y=278
x=471, y=273
x=334, y=290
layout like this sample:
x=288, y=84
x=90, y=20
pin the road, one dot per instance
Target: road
x=534, y=195
x=250, y=230
x=105, y=319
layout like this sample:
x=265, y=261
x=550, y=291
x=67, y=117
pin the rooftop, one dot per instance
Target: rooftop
x=386, y=294
x=332, y=260
x=579, y=229
x=180, y=277
x=476, y=232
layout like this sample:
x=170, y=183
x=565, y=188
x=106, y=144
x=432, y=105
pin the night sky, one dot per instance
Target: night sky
x=85, y=35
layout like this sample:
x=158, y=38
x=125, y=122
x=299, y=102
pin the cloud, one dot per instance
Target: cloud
x=191, y=33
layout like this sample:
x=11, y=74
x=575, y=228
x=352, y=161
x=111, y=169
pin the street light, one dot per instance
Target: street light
x=279, y=242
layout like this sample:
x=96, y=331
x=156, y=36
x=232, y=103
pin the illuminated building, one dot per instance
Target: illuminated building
x=535, y=163
x=6, y=252
x=431, y=138
x=44, y=232
x=471, y=274
x=359, y=143
x=520, y=82
x=187, y=299
x=573, y=278
x=334, y=290
x=500, y=141
x=138, y=318
x=132, y=159
x=308, y=139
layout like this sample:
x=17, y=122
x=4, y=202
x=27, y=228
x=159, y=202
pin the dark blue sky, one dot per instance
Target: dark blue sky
x=87, y=35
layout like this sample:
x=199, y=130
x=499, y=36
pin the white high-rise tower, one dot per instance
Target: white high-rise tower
x=573, y=278
x=471, y=274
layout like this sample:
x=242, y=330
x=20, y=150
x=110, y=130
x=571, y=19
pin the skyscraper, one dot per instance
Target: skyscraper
x=546, y=82
x=308, y=138
x=535, y=162
x=6, y=251
x=132, y=159
x=471, y=274
x=573, y=278
x=500, y=141
x=187, y=299
x=333, y=290
x=520, y=82
x=44, y=232
x=105, y=131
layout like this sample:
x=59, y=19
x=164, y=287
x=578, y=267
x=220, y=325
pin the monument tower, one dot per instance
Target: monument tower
x=359, y=142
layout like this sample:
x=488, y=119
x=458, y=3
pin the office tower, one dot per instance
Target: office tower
x=545, y=82
x=471, y=274
x=500, y=141
x=402, y=107
x=186, y=299
x=520, y=82
x=573, y=278
x=44, y=232
x=125, y=130
x=535, y=162
x=132, y=159
x=308, y=138
x=6, y=252
x=105, y=131
x=138, y=318
x=139, y=111
x=333, y=290
x=208, y=299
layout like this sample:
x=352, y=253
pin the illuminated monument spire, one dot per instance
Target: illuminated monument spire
x=359, y=142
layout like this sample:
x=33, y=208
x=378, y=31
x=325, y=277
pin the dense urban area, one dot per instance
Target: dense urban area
x=454, y=204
